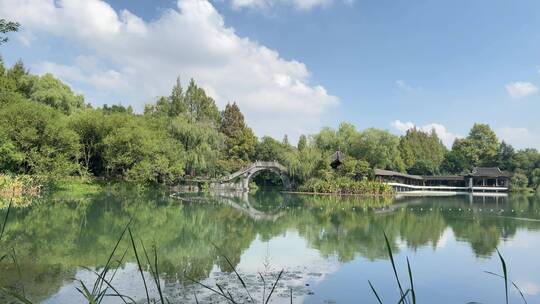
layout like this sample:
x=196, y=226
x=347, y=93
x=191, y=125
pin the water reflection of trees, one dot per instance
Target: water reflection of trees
x=53, y=238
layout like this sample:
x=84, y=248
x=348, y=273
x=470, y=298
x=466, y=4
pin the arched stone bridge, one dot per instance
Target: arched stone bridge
x=240, y=179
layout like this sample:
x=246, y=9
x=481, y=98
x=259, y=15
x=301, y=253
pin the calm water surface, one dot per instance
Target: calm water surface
x=328, y=247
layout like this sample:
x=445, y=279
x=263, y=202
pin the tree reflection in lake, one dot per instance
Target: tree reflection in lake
x=53, y=238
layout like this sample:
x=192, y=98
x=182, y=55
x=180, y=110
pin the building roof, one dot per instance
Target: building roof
x=338, y=156
x=380, y=172
x=492, y=172
x=489, y=172
x=443, y=177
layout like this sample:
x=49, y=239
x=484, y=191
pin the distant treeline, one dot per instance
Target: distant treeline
x=47, y=129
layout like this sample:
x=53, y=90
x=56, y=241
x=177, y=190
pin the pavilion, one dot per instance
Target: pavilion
x=481, y=179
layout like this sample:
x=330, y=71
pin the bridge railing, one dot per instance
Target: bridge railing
x=263, y=164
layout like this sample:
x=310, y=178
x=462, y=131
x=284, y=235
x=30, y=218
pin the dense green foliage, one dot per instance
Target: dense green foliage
x=422, y=152
x=47, y=129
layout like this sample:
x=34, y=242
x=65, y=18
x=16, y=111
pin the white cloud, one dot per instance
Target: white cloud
x=84, y=71
x=298, y=4
x=401, y=84
x=519, y=137
x=140, y=60
x=446, y=136
x=520, y=89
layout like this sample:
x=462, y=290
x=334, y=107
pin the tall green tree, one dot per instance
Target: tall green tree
x=480, y=148
x=240, y=141
x=507, y=157
x=10, y=157
x=199, y=106
x=379, y=148
x=202, y=143
x=51, y=91
x=422, y=152
x=302, y=143
x=93, y=126
x=41, y=135
x=138, y=152
x=172, y=105
x=485, y=145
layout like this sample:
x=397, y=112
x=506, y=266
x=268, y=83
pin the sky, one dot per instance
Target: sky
x=294, y=66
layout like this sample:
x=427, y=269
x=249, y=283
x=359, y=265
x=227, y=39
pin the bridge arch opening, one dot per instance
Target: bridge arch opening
x=268, y=179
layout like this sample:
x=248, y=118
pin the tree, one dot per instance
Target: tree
x=201, y=142
x=519, y=181
x=171, y=106
x=379, y=148
x=422, y=152
x=41, y=135
x=10, y=157
x=479, y=148
x=507, y=157
x=137, y=152
x=50, y=91
x=92, y=126
x=270, y=149
x=8, y=85
x=6, y=27
x=285, y=141
x=240, y=140
x=177, y=104
x=485, y=145
x=200, y=107
x=302, y=143
x=117, y=108
x=355, y=169
x=343, y=139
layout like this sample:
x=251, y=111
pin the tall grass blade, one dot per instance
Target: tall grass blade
x=209, y=288
x=98, y=284
x=236, y=272
x=505, y=273
x=413, y=294
x=87, y=294
x=108, y=283
x=5, y=220
x=403, y=298
x=264, y=286
x=513, y=284
x=273, y=287
x=393, y=264
x=15, y=295
x=139, y=264
x=375, y=292
x=156, y=271
x=15, y=261
x=291, y=295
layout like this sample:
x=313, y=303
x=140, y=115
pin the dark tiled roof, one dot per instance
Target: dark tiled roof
x=443, y=177
x=380, y=172
x=489, y=172
x=477, y=172
x=337, y=156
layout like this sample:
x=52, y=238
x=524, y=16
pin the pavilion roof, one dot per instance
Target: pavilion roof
x=489, y=172
x=337, y=156
x=381, y=172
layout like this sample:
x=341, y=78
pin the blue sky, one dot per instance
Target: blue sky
x=297, y=65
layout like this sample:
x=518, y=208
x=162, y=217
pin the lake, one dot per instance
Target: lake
x=328, y=247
